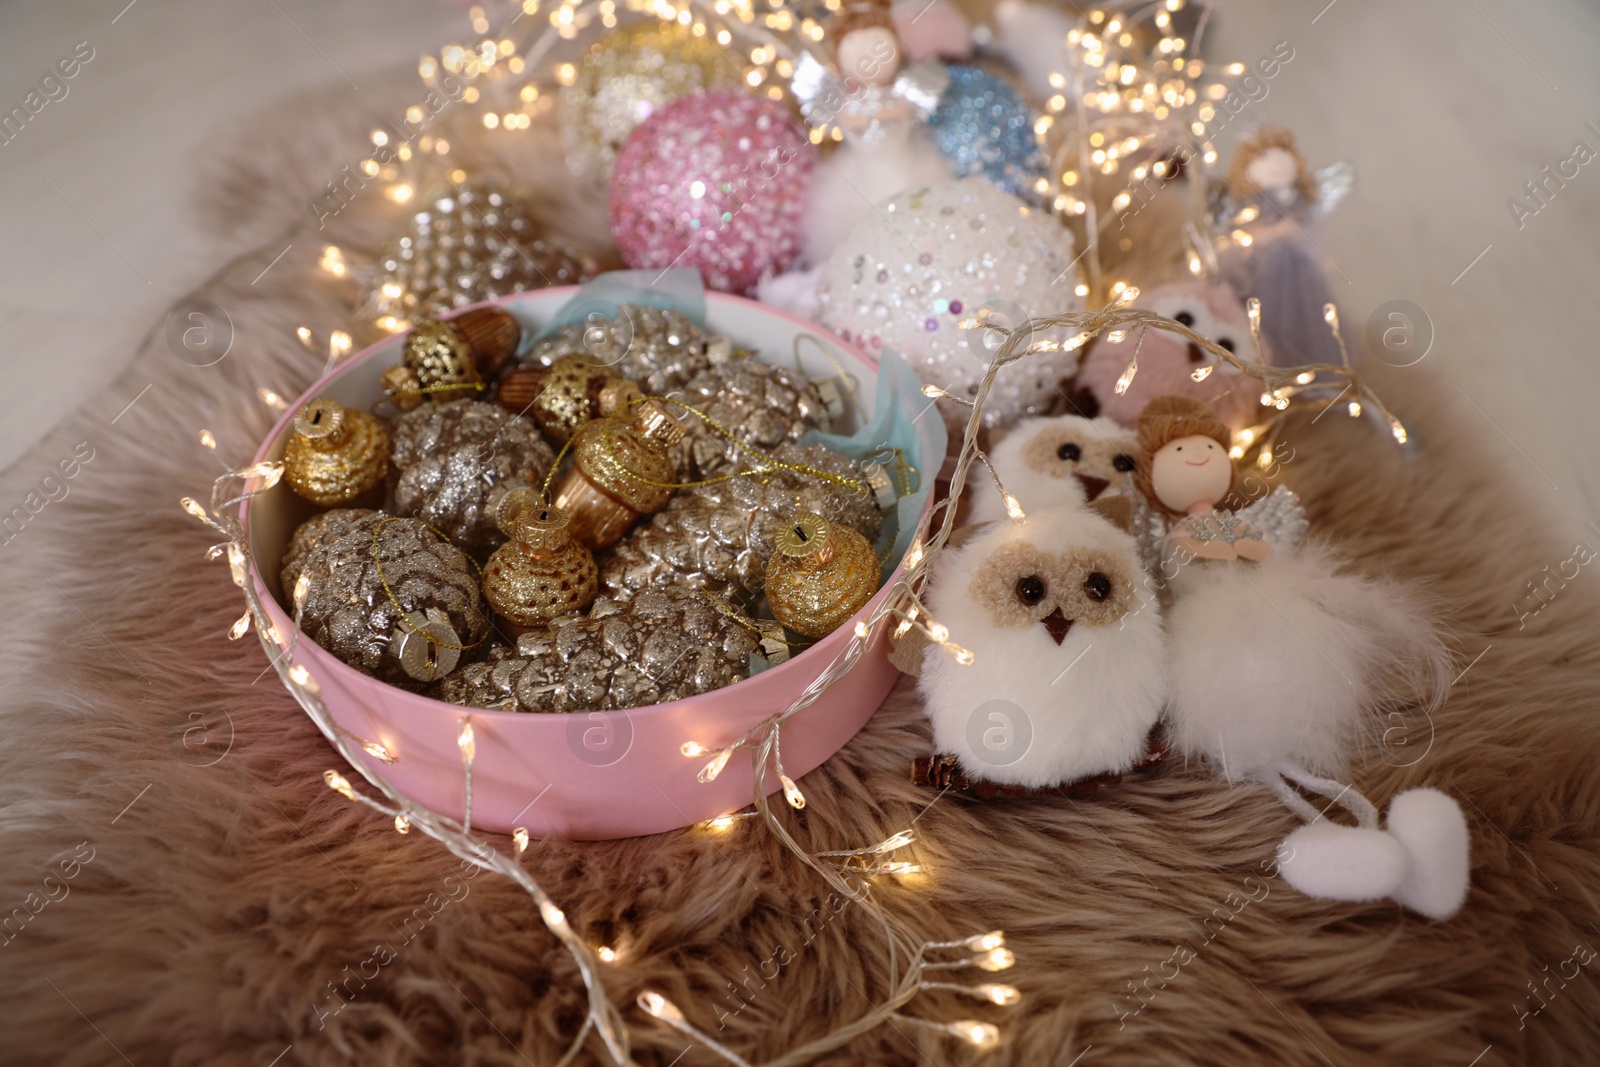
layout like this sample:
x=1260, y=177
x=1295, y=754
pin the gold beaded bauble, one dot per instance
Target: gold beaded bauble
x=624, y=79
x=336, y=455
x=619, y=474
x=542, y=573
x=821, y=575
x=563, y=396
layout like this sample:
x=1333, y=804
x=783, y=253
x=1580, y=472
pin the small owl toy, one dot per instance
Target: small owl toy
x=1065, y=460
x=1167, y=361
x=1067, y=677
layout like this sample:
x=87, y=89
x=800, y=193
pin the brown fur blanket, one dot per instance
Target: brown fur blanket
x=179, y=887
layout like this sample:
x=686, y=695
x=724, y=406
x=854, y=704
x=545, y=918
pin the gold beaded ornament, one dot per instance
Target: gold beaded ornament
x=620, y=473
x=336, y=455
x=563, y=396
x=541, y=573
x=450, y=359
x=821, y=575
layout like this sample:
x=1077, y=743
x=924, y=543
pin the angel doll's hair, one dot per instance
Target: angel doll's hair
x=1240, y=187
x=1164, y=420
x=859, y=15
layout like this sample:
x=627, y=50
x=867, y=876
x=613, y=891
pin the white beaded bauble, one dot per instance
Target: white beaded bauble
x=930, y=259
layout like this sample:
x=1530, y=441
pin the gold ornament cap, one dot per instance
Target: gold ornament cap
x=541, y=575
x=401, y=386
x=617, y=394
x=427, y=646
x=820, y=575
x=336, y=454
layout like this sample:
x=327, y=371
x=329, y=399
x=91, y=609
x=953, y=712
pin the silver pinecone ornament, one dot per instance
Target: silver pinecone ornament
x=761, y=404
x=664, y=644
x=719, y=537
x=409, y=634
x=453, y=462
x=660, y=348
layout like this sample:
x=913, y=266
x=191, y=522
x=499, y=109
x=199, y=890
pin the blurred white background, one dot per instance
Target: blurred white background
x=1445, y=108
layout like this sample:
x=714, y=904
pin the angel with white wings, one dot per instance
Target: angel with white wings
x=880, y=104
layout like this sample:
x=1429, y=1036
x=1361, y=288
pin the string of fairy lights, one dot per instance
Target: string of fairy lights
x=1136, y=93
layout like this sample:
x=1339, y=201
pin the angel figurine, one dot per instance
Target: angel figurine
x=1186, y=472
x=880, y=104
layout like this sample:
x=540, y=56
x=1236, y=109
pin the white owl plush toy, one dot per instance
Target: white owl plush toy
x=1277, y=661
x=1049, y=461
x=1067, y=679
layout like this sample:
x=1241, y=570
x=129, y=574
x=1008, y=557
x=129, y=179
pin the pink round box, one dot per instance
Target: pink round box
x=599, y=775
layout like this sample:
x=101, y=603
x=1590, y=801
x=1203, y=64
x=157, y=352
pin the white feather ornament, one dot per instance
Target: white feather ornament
x=1066, y=633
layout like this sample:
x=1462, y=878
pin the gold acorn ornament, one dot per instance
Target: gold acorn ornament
x=336, y=455
x=568, y=393
x=541, y=573
x=620, y=473
x=448, y=360
x=822, y=574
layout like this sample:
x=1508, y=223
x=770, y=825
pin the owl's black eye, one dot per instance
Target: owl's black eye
x=1030, y=590
x=1069, y=452
x=1123, y=462
x=1184, y=317
x=1098, y=586
x=1226, y=343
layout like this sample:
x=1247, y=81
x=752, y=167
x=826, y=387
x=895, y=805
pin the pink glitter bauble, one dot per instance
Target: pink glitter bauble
x=715, y=180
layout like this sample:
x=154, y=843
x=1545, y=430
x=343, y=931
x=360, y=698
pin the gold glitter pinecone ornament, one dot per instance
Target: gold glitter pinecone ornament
x=820, y=575
x=468, y=242
x=719, y=537
x=453, y=462
x=619, y=474
x=664, y=644
x=761, y=404
x=660, y=348
x=624, y=78
x=563, y=396
x=541, y=573
x=410, y=634
x=336, y=454
x=448, y=360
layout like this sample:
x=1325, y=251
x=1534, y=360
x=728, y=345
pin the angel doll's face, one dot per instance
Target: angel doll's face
x=1191, y=471
x=1273, y=169
x=871, y=54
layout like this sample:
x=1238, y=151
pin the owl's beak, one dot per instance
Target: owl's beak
x=1091, y=485
x=1057, y=624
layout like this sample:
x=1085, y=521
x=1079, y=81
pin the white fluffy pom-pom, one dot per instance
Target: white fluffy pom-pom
x=1432, y=829
x=1283, y=661
x=1333, y=862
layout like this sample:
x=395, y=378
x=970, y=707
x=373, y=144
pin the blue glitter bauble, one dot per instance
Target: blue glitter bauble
x=984, y=128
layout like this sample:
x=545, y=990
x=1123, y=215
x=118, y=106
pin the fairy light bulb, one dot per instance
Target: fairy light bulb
x=1014, y=509
x=402, y=824
x=986, y=942
x=901, y=868
x=236, y=564
x=1398, y=430
x=693, y=749
x=208, y=440
x=1126, y=378
x=791, y=792
x=913, y=554
x=377, y=752
x=519, y=838
x=939, y=632
x=996, y=993
x=659, y=1006
x=996, y=959
x=721, y=823
x=302, y=677
x=467, y=741
x=302, y=586
x=553, y=917
x=339, y=784
x=963, y=656
x=1200, y=374
x=1355, y=409
x=1305, y=378
x=241, y=627
x=980, y=1035
x=709, y=772
x=192, y=506
x=304, y=333
x=862, y=630
x=607, y=954
x=271, y=399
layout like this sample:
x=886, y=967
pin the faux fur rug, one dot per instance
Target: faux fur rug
x=179, y=887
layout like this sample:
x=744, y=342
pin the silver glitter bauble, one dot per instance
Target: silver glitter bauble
x=663, y=644
x=432, y=593
x=931, y=258
x=720, y=537
x=660, y=348
x=761, y=404
x=453, y=461
x=626, y=77
x=469, y=242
